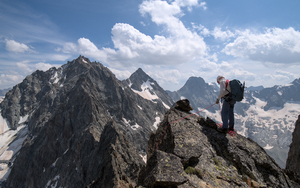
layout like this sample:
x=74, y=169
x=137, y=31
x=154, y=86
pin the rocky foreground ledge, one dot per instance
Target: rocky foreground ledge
x=189, y=152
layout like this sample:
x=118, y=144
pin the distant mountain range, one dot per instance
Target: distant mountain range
x=265, y=115
x=66, y=116
x=3, y=91
x=257, y=88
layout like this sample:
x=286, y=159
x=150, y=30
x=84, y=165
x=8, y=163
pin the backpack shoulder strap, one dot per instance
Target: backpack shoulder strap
x=226, y=84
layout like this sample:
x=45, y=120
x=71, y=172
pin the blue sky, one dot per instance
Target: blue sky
x=254, y=41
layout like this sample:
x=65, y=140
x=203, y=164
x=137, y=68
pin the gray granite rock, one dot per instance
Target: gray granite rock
x=210, y=158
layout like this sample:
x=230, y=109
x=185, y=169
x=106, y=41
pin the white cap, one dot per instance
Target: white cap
x=219, y=78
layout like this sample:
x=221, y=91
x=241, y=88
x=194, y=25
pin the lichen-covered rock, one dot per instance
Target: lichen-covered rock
x=210, y=158
x=165, y=170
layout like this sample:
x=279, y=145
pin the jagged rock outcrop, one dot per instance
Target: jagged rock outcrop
x=293, y=160
x=85, y=128
x=187, y=151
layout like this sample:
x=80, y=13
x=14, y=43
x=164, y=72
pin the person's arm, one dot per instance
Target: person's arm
x=223, y=91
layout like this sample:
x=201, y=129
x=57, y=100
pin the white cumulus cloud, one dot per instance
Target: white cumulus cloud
x=7, y=80
x=275, y=45
x=223, y=35
x=43, y=66
x=13, y=46
x=282, y=76
x=131, y=47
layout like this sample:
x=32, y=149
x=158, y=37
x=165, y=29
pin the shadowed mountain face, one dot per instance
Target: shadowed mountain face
x=84, y=127
x=293, y=160
x=188, y=151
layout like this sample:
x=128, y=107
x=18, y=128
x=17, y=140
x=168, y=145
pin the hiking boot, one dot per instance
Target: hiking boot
x=222, y=130
x=231, y=129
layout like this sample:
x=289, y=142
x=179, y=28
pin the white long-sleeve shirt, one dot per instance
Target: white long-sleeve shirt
x=223, y=90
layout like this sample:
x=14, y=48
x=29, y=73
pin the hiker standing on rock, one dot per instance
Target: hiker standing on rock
x=228, y=105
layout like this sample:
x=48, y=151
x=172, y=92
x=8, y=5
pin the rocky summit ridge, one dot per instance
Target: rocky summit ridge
x=188, y=151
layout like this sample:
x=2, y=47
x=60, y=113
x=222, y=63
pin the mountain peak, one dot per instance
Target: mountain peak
x=75, y=115
x=142, y=84
x=139, y=74
x=80, y=60
x=140, y=71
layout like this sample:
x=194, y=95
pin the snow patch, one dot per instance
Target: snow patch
x=84, y=61
x=52, y=183
x=268, y=147
x=126, y=122
x=66, y=151
x=55, y=77
x=165, y=105
x=281, y=117
x=53, y=164
x=135, y=127
x=145, y=93
x=4, y=124
x=144, y=158
x=10, y=144
x=286, y=85
x=156, y=123
x=130, y=84
x=23, y=119
x=140, y=107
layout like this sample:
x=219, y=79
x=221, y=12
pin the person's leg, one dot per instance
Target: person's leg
x=231, y=116
x=225, y=114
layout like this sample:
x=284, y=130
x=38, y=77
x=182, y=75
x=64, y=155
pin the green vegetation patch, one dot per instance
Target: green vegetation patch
x=192, y=170
x=217, y=162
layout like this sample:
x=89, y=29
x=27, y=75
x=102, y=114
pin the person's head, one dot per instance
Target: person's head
x=219, y=78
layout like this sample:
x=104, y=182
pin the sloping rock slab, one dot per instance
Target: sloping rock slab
x=165, y=170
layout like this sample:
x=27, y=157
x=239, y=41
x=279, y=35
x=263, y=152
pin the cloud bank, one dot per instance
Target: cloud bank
x=131, y=47
x=275, y=45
